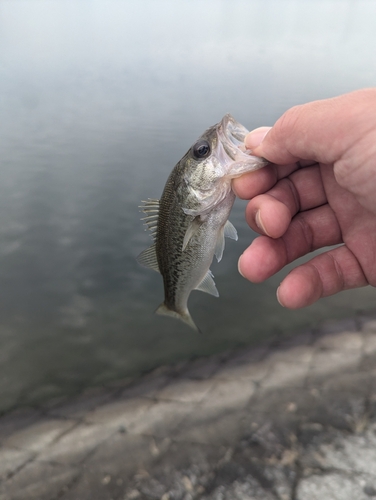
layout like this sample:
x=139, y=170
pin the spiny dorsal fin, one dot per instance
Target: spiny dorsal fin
x=207, y=285
x=150, y=207
x=150, y=201
x=148, y=258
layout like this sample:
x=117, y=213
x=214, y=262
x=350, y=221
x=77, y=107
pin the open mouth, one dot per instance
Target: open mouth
x=231, y=150
x=232, y=134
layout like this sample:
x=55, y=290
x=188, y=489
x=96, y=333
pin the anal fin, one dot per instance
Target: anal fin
x=207, y=285
x=230, y=231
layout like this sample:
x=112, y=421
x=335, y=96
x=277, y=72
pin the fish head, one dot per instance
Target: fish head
x=218, y=156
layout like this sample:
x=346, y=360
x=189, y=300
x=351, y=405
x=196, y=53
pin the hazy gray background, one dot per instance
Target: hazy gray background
x=98, y=101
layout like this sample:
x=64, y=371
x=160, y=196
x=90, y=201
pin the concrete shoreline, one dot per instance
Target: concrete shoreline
x=293, y=420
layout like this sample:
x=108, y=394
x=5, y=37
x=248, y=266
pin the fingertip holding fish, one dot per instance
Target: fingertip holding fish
x=239, y=266
x=279, y=296
x=254, y=138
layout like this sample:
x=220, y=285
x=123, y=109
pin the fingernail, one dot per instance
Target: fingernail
x=255, y=137
x=278, y=297
x=259, y=223
x=240, y=272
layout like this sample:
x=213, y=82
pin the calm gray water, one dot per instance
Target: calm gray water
x=98, y=101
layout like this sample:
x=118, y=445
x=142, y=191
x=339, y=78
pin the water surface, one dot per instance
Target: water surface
x=98, y=101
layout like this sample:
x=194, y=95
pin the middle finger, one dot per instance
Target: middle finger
x=272, y=212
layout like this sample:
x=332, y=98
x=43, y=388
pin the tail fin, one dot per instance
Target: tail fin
x=163, y=310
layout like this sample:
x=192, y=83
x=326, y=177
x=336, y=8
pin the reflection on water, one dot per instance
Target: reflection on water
x=98, y=100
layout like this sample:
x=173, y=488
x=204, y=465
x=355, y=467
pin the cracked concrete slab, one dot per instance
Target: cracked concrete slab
x=286, y=421
x=74, y=446
x=37, y=480
x=40, y=435
x=185, y=391
x=227, y=395
x=11, y=460
x=120, y=413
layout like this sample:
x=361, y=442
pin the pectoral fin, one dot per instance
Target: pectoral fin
x=191, y=231
x=207, y=285
x=229, y=231
x=148, y=258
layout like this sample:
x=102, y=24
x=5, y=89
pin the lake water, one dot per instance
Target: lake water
x=98, y=101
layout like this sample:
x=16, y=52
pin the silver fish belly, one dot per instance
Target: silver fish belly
x=190, y=222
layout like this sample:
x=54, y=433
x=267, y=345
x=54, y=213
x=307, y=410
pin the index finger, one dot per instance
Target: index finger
x=254, y=183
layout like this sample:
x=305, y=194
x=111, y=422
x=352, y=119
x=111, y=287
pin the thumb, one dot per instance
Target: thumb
x=320, y=130
x=254, y=139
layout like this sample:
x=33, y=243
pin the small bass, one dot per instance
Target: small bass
x=190, y=221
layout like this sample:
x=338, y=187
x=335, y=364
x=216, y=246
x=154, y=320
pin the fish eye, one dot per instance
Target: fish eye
x=201, y=149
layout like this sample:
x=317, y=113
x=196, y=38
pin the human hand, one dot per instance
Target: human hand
x=319, y=191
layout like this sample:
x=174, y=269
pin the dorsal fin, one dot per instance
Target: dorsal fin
x=148, y=258
x=150, y=207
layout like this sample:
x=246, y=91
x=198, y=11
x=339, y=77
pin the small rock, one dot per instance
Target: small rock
x=292, y=407
x=187, y=483
x=370, y=490
x=154, y=450
x=289, y=457
x=133, y=494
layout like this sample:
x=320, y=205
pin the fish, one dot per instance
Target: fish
x=189, y=223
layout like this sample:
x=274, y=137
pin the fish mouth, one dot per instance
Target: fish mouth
x=231, y=151
x=231, y=134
